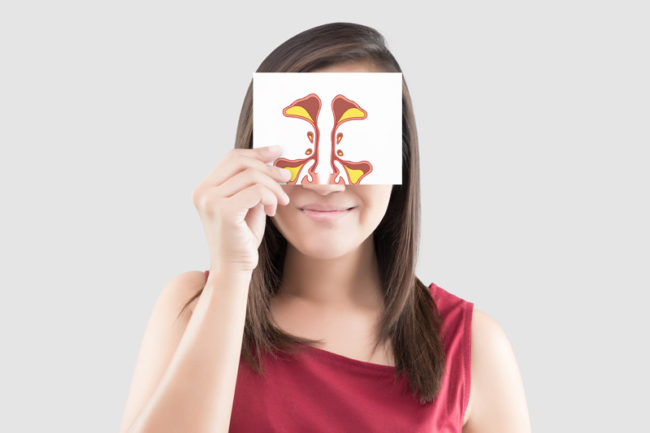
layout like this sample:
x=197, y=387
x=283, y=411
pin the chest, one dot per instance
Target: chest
x=346, y=332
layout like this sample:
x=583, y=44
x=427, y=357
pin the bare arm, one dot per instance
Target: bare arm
x=498, y=402
x=186, y=373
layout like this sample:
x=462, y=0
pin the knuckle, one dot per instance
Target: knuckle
x=202, y=204
x=196, y=197
x=206, y=204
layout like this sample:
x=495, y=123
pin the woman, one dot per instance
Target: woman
x=234, y=348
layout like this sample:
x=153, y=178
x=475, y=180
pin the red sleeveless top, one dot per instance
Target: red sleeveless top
x=321, y=391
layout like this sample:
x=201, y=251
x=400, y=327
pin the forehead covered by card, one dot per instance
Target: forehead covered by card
x=334, y=127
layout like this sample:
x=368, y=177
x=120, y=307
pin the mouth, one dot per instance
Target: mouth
x=326, y=215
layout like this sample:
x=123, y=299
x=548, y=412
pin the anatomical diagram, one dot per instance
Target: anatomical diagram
x=341, y=171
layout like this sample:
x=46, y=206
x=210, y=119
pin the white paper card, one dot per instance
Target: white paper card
x=334, y=127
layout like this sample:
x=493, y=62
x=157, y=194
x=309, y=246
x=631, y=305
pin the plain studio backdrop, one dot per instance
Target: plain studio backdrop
x=534, y=136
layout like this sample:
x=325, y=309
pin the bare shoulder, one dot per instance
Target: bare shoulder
x=182, y=287
x=187, y=282
x=497, y=400
x=191, y=278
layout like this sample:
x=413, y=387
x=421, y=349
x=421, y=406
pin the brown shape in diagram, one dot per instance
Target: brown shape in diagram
x=308, y=109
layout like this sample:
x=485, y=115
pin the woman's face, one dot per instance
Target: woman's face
x=328, y=235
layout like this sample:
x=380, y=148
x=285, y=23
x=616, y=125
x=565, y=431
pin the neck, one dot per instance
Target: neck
x=348, y=280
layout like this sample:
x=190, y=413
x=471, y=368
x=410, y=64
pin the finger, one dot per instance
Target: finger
x=248, y=177
x=266, y=153
x=251, y=196
x=238, y=161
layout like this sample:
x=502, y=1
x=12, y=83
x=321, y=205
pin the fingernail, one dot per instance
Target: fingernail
x=274, y=149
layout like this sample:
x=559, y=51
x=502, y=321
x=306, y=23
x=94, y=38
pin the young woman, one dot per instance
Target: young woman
x=309, y=321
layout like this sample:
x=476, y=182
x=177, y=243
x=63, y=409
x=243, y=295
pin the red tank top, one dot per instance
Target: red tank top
x=321, y=391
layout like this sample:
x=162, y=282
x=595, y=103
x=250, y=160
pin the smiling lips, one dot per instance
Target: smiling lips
x=324, y=207
x=321, y=215
x=308, y=109
x=325, y=212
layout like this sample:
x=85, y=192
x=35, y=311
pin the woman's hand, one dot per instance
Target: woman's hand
x=233, y=201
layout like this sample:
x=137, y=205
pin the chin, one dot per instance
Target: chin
x=323, y=250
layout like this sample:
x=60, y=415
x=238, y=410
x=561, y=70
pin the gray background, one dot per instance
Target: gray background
x=533, y=126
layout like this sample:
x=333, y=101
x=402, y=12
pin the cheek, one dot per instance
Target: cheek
x=374, y=208
x=285, y=216
x=370, y=217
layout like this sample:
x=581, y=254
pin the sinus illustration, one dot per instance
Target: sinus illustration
x=325, y=166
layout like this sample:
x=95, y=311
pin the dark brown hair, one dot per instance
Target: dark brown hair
x=411, y=319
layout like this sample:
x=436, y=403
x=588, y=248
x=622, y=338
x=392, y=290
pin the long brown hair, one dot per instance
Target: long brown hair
x=411, y=319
